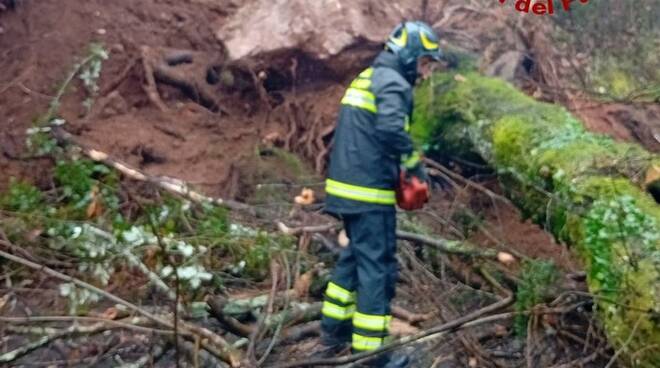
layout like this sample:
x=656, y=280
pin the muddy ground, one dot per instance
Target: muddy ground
x=287, y=99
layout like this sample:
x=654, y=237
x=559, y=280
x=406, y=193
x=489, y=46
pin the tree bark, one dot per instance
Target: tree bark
x=588, y=190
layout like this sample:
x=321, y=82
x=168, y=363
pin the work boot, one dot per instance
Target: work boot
x=393, y=360
x=397, y=361
x=330, y=347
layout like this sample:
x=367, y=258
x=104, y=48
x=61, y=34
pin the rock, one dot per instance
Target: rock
x=320, y=28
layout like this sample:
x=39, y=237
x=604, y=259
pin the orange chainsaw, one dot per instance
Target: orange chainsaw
x=412, y=193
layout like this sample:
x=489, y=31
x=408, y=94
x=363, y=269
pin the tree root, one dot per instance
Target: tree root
x=179, y=69
x=150, y=88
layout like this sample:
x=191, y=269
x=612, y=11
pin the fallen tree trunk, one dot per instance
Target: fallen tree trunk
x=586, y=189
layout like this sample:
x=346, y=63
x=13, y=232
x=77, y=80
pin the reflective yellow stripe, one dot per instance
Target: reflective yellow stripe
x=372, y=322
x=360, y=83
x=363, y=343
x=360, y=99
x=337, y=311
x=367, y=73
x=412, y=160
x=358, y=193
x=428, y=44
x=340, y=294
x=402, y=40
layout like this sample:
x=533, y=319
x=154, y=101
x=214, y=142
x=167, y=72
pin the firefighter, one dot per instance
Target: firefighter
x=371, y=146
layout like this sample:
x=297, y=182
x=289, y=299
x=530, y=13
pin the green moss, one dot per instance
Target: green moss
x=536, y=279
x=621, y=84
x=582, y=187
x=618, y=239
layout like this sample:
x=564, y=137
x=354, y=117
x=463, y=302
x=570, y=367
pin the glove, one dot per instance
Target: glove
x=413, y=166
x=418, y=171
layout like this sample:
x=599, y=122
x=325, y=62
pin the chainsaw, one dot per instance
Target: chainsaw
x=411, y=193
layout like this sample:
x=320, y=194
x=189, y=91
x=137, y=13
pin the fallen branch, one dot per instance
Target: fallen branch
x=299, y=332
x=443, y=245
x=240, y=308
x=447, y=246
x=172, y=185
x=133, y=323
x=153, y=355
x=410, y=317
x=45, y=340
x=212, y=342
x=465, y=180
x=307, y=229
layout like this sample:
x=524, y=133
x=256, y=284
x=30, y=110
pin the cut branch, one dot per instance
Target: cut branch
x=172, y=185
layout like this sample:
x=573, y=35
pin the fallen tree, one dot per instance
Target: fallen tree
x=586, y=189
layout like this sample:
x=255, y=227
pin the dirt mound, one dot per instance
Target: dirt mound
x=624, y=122
x=43, y=40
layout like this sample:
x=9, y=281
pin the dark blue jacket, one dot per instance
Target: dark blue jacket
x=371, y=140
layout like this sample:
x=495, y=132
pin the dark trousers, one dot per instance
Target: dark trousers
x=357, y=300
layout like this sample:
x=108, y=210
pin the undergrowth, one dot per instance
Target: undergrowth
x=535, y=280
x=86, y=217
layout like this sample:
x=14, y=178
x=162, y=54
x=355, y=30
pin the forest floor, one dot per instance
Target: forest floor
x=225, y=141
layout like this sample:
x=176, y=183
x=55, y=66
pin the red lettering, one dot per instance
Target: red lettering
x=523, y=5
x=539, y=9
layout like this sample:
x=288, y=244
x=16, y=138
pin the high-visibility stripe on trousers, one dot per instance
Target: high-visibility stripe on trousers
x=360, y=193
x=363, y=282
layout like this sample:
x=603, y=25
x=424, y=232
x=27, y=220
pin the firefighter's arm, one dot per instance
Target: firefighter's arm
x=393, y=101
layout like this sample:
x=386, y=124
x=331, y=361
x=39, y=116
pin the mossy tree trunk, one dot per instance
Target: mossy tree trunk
x=586, y=189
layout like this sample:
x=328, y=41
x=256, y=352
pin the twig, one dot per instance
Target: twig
x=447, y=246
x=84, y=285
x=215, y=344
x=625, y=344
x=307, y=229
x=274, y=272
x=465, y=180
x=129, y=323
x=55, y=103
x=45, y=340
x=410, y=317
x=579, y=362
x=120, y=78
x=169, y=184
x=154, y=354
x=276, y=334
x=172, y=263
